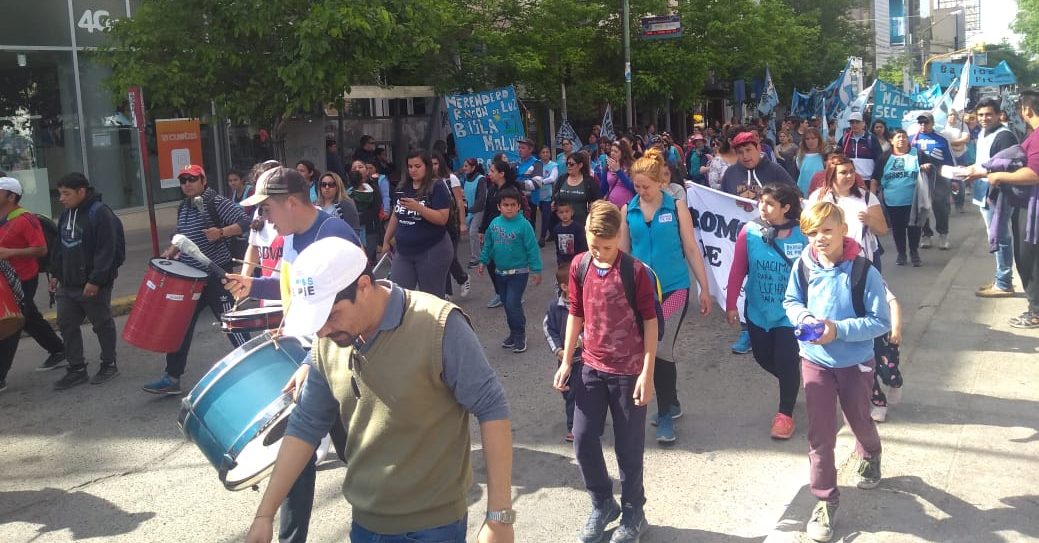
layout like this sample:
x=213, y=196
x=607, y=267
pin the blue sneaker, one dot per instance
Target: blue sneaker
x=665, y=430
x=495, y=302
x=166, y=385
x=742, y=345
x=602, y=515
x=676, y=413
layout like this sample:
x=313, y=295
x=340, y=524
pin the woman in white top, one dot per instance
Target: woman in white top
x=724, y=158
x=862, y=211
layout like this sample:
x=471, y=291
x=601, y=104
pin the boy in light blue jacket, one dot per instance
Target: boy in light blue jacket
x=511, y=245
x=840, y=364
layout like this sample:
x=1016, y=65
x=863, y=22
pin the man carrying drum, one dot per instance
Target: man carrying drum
x=383, y=350
x=283, y=198
x=209, y=220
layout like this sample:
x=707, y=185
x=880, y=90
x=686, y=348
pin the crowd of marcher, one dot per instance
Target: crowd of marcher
x=817, y=309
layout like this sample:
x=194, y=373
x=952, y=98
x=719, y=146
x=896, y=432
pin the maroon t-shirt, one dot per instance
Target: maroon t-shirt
x=1031, y=148
x=612, y=341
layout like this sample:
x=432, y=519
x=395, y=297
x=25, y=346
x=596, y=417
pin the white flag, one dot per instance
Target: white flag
x=856, y=105
x=607, y=124
x=567, y=132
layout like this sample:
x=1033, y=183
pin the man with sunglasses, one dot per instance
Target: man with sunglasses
x=935, y=152
x=209, y=220
x=406, y=409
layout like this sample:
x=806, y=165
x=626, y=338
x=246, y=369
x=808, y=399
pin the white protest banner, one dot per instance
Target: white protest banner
x=718, y=218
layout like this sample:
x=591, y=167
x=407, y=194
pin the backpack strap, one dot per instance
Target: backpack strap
x=802, y=277
x=859, y=270
x=627, y=269
x=582, y=267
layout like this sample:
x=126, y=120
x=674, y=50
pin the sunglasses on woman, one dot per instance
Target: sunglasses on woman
x=328, y=185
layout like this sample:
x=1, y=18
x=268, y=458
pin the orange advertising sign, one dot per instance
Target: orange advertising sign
x=179, y=144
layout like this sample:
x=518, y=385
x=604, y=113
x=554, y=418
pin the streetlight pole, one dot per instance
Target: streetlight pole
x=627, y=64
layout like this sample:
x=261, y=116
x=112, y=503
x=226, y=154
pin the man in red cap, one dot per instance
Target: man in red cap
x=210, y=221
x=752, y=171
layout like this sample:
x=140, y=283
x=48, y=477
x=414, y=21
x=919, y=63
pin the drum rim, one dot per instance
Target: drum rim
x=256, y=311
x=229, y=366
x=277, y=410
x=167, y=271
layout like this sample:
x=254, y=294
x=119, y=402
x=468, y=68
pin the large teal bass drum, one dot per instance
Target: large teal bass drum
x=237, y=413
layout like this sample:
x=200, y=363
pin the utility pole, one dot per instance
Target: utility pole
x=627, y=64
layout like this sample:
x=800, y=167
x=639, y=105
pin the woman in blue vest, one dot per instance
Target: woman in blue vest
x=659, y=232
x=474, y=188
x=765, y=252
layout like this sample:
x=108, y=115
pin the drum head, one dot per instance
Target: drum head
x=177, y=269
x=256, y=461
x=253, y=312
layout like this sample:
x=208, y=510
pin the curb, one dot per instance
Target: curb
x=789, y=527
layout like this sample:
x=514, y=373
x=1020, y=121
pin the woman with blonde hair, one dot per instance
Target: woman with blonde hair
x=658, y=230
x=332, y=199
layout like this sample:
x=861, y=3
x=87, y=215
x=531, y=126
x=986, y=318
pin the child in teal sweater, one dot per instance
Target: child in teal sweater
x=510, y=243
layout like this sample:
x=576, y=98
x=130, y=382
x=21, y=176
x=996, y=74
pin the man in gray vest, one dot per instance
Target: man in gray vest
x=406, y=409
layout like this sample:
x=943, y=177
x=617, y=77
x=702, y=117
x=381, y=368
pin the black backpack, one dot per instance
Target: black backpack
x=120, y=234
x=50, y=234
x=627, y=271
x=859, y=271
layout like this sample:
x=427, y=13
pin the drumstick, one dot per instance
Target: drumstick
x=261, y=266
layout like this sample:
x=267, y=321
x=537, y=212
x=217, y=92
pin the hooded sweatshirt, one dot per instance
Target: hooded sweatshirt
x=87, y=250
x=738, y=176
x=829, y=297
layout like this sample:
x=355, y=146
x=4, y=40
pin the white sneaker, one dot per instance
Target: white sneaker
x=925, y=242
x=894, y=396
x=943, y=242
x=322, y=449
x=467, y=287
x=878, y=413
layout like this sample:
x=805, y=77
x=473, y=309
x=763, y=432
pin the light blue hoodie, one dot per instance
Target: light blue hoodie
x=829, y=297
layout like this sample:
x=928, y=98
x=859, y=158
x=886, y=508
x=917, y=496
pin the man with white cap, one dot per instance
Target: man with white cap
x=21, y=243
x=864, y=150
x=403, y=370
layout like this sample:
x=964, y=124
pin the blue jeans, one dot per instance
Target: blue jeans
x=512, y=288
x=448, y=533
x=1005, y=255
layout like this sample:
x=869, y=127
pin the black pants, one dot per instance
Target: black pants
x=665, y=381
x=1026, y=257
x=902, y=230
x=35, y=325
x=456, y=271
x=777, y=352
x=8, y=346
x=73, y=307
x=218, y=300
x=597, y=392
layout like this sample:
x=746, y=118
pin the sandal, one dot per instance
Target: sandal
x=1026, y=320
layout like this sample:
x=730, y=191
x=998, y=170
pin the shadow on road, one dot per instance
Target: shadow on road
x=85, y=515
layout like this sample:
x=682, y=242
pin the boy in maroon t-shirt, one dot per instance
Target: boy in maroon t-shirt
x=616, y=376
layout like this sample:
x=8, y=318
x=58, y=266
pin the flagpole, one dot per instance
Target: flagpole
x=627, y=65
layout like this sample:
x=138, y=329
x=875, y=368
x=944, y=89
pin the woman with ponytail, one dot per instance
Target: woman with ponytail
x=658, y=230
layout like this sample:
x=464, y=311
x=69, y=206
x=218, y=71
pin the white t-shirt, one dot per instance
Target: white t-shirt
x=952, y=133
x=852, y=206
x=269, y=249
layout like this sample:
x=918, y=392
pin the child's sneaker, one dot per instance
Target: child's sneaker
x=665, y=430
x=782, y=426
x=467, y=287
x=878, y=413
x=519, y=345
x=868, y=473
x=495, y=302
x=742, y=345
x=894, y=395
x=676, y=413
x=602, y=515
x=820, y=526
x=632, y=526
x=569, y=437
x=509, y=342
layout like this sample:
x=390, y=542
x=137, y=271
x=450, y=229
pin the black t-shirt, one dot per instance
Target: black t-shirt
x=570, y=241
x=414, y=234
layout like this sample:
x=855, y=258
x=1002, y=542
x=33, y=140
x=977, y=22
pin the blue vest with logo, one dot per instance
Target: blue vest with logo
x=659, y=244
x=768, y=274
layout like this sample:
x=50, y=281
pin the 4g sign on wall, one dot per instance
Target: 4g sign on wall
x=92, y=17
x=94, y=20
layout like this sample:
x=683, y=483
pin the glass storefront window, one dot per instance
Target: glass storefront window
x=39, y=124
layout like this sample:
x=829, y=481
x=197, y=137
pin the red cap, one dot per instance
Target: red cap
x=192, y=169
x=697, y=137
x=745, y=138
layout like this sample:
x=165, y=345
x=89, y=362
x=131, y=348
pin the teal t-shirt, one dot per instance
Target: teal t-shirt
x=899, y=179
x=811, y=164
x=768, y=274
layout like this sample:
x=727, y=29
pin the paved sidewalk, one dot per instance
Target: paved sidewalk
x=961, y=453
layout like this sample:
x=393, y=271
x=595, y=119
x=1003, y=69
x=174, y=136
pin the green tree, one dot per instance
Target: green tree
x=264, y=60
x=1027, y=24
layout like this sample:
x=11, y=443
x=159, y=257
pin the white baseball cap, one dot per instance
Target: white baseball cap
x=854, y=116
x=11, y=184
x=320, y=272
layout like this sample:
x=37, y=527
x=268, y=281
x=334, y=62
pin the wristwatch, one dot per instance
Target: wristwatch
x=505, y=516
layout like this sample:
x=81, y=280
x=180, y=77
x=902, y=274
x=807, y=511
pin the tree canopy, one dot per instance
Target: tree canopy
x=263, y=60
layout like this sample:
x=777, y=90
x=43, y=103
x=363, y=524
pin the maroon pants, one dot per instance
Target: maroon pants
x=823, y=388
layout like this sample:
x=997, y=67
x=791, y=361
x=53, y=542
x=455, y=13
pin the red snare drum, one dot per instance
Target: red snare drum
x=251, y=320
x=11, y=319
x=165, y=304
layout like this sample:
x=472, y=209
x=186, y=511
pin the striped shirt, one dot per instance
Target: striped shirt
x=193, y=221
x=12, y=281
